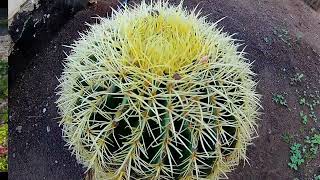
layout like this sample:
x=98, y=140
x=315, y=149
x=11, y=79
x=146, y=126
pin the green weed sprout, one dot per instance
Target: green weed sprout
x=157, y=92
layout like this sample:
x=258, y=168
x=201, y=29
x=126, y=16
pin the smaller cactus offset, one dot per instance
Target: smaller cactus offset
x=157, y=92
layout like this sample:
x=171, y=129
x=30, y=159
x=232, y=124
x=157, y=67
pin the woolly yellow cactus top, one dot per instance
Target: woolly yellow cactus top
x=162, y=41
x=156, y=92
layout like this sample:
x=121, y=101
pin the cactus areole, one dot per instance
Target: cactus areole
x=157, y=92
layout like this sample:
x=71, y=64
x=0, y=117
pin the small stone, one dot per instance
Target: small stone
x=176, y=76
x=204, y=59
x=48, y=129
x=56, y=161
x=13, y=155
x=44, y=110
x=17, y=30
x=19, y=128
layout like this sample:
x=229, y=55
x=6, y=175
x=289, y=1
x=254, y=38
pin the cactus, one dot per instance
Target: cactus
x=157, y=92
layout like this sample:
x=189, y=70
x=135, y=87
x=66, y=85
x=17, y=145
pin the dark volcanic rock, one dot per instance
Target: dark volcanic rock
x=36, y=152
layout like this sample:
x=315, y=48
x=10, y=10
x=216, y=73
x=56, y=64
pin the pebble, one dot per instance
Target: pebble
x=56, y=161
x=19, y=128
x=44, y=110
x=13, y=155
x=48, y=129
x=176, y=76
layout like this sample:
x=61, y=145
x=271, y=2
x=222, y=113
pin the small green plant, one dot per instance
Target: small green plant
x=297, y=78
x=4, y=163
x=313, y=143
x=3, y=134
x=301, y=129
x=296, y=158
x=302, y=101
x=287, y=138
x=316, y=139
x=316, y=177
x=311, y=100
x=316, y=102
x=313, y=115
x=279, y=99
x=304, y=117
x=283, y=34
x=268, y=40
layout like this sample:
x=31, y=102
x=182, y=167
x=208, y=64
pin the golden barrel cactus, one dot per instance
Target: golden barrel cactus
x=157, y=92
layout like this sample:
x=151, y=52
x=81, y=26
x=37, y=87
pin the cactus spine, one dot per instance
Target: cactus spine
x=156, y=92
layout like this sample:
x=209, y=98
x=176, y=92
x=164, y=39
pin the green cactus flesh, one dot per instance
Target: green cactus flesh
x=156, y=92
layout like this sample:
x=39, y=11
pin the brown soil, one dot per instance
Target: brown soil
x=36, y=153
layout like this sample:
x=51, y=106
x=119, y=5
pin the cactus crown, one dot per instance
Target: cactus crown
x=156, y=92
